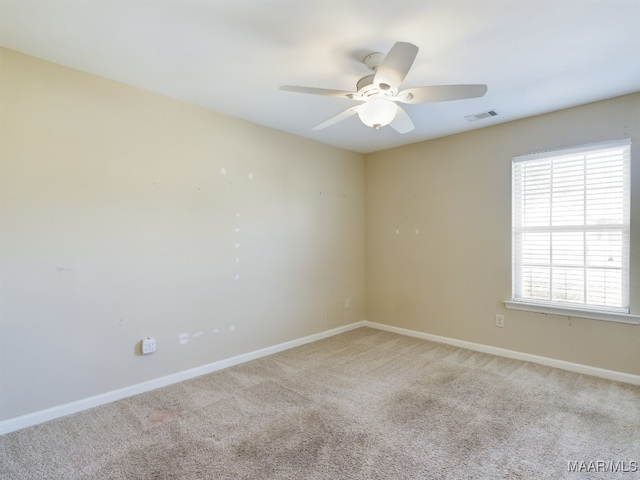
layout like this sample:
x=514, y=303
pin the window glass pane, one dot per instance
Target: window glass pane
x=604, y=249
x=536, y=248
x=568, y=249
x=568, y=285
x=568, y=192
x=536, y=282
x=604, y=287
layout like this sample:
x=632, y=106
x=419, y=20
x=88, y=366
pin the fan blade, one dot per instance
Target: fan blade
x=318, y=91
x=338, y=117
x=440, y=93
x=395, y=66
x=402, y=123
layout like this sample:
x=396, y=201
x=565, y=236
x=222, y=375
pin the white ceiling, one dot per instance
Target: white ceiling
x=231, y=56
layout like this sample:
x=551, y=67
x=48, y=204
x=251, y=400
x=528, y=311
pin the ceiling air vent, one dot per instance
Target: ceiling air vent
x=480, y=116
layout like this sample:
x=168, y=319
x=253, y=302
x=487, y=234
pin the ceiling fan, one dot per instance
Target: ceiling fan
x=379, y=92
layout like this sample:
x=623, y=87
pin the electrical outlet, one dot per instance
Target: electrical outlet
x=148, y=345
x=499, y=320
x=347, y=303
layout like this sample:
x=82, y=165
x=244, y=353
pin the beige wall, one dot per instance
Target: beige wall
x=117, y=223
x=438, y=237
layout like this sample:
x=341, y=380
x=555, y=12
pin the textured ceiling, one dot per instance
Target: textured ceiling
x=535, y=56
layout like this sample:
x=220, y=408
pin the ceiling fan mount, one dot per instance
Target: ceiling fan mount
x=380, y=95
x=373, y=60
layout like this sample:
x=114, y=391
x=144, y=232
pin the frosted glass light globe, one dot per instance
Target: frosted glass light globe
x=377, y=112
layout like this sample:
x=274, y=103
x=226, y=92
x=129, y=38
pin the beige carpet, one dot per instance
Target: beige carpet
x=366, y=404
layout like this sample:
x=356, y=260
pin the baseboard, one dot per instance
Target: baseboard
x=502, y=352
x=24, y=421
x=18, y=423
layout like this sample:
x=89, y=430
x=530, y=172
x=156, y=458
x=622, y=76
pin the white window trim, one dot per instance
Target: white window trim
x=530, y=305
x=572, y=312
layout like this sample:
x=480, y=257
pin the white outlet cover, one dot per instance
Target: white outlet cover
x=148, y=345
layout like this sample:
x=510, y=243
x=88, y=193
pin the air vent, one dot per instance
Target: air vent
x=480, y=116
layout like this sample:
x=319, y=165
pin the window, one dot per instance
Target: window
x=571, y=241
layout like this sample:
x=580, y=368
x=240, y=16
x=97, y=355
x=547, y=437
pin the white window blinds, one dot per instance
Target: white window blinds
x=571, y=227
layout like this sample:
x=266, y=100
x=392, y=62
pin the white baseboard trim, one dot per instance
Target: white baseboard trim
x=502, y=352
x=18, y=423
x=24, y=421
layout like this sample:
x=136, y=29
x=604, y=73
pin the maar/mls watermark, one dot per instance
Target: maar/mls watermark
x=603, y=466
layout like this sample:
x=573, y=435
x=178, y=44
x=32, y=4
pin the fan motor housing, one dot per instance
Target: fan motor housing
x=366, y=88
x=364, y=82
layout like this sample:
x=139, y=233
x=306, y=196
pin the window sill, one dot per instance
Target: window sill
x=573, y=312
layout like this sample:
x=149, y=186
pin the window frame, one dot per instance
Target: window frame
x=570, y=309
